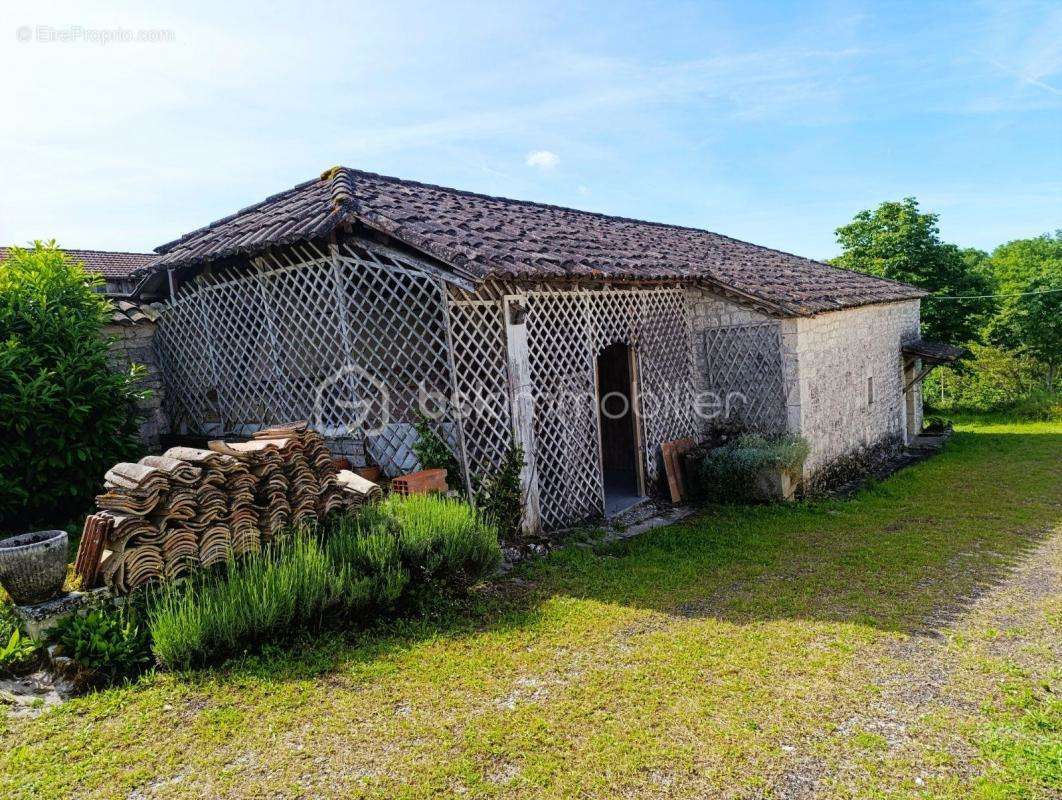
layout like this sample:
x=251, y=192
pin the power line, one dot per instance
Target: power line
x=986, y=296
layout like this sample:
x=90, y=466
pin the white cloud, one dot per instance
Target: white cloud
x=542, y=159
x=584, y=191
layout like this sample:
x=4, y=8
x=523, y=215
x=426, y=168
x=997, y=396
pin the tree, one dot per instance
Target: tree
x=65, y=417
x=1028, y=273
x=899, y=242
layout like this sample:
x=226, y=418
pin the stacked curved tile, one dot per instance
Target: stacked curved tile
x=193, y=507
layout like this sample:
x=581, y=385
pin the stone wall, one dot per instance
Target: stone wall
x=837, y=356
x=133, y=344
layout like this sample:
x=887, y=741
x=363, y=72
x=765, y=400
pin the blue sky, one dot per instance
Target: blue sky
x=772, y=122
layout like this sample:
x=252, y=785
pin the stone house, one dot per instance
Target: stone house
x=358, y=301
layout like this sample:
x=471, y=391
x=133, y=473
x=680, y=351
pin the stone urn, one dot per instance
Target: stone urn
x=33, y=566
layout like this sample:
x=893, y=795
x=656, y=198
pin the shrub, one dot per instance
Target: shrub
x=935, y=423
x=727, y=474
x=105, y=645
x=500, y=498
x=17, y=651
x=354, y=567
x=65, y=417
x=368, y=544
x=442, y=541
x=992, y=379
x=288, y=585
x=359, y=566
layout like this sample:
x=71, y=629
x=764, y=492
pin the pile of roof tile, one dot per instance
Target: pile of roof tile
x=168, y=514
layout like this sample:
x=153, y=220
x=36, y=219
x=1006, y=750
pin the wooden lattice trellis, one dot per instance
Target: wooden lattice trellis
x=356, y=336
x=352, y=337
x=483, y=400
x=745, y=374
x=566, y=331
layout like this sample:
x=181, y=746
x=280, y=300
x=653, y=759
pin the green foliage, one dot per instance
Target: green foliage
x=1030, y=323
x=64, y=416
x=727, y=474
x=934, y=423
x=992, y=379
x=355, y=569
x=17, y=651
x=106, y=645
x=368, y=543
x=261, y=597
x=442, y=542
x=433, y=453
x=899, y=242
x=499, y=497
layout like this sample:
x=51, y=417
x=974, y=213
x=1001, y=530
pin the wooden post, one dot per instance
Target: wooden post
x=522, y=402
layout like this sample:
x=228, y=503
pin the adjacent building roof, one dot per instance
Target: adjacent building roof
x=495, y=237
x=108, y=263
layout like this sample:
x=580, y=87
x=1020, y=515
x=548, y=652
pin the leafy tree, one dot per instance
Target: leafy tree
x=65, y=417
x=1029, y=273
x=899, y=242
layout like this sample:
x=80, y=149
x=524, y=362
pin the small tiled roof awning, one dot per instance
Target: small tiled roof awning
x=933, y=352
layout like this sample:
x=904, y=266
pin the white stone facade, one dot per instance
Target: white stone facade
x=849, y=389
x=843, y=373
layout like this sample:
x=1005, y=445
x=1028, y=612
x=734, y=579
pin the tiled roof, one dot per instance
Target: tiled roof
x=107, y=263
x=935, y=352
x=126, y=313
x=501, y=238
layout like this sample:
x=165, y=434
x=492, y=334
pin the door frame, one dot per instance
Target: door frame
x=633, y=369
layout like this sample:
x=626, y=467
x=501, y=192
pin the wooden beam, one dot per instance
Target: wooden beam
x=523, y=405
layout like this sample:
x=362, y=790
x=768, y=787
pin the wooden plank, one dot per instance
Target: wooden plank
x=523, y=405
x=674, y=469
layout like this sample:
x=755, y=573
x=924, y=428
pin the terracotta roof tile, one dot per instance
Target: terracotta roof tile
x=501, y=238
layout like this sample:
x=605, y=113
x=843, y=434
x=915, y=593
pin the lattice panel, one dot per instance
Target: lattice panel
x=745, y=373
x=353, y=339
x=478, y=329
x=566, y=331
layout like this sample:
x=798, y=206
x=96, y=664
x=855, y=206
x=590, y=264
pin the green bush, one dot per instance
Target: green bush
x=499, y=497
x=65, y=417
x=935, y=423
x=727, y=474
x=434, y=453
x=354, y=568
x=440, y=541
x=289, y=585
x=992, y=379
x=105, y=645
x=17, y=651
x=368, y=543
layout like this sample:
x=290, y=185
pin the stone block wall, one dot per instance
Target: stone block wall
x=133, y=344
x=850, y=379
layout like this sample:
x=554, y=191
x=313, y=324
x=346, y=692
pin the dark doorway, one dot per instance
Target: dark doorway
x=619, y=433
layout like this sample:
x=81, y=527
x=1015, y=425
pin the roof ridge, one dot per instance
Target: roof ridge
x=598, y=214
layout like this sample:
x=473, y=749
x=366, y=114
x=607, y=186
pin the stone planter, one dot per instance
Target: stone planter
x=33, y=566
x=775, y=484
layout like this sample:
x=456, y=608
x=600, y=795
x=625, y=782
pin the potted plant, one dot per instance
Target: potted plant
x=752, y=468
x=33, y=565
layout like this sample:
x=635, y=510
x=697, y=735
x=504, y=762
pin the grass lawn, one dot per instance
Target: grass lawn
x=902, y=643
